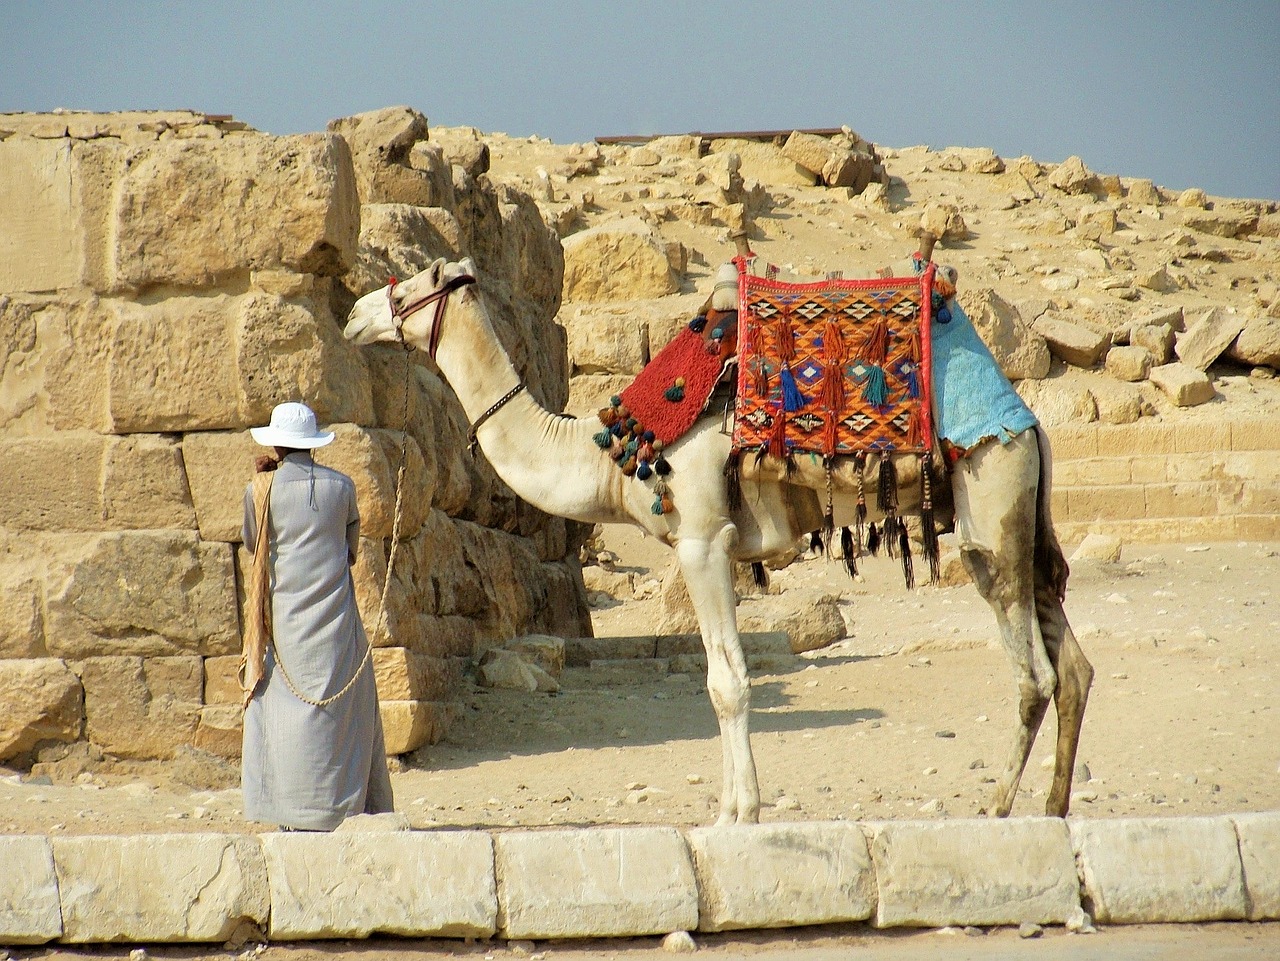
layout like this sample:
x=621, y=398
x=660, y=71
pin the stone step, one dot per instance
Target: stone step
x=582, y=651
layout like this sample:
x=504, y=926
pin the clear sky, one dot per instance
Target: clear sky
x=1185, y=93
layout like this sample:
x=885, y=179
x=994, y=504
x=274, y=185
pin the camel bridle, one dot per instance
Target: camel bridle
x=402, y=312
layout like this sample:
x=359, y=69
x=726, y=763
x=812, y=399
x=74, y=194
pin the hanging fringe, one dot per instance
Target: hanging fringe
x=760, y=576
x=833, y=358
x=876, y=343
x=778, y=439
x=860, y=512
x=876, y=391
x=889, y=535
x=792, y=399
x=928, y=529
x=815, y=542
x=887, y=494
x=873, y=540
x=750, y=346
x=849, y=552
x=733, y=479
x=913, y=427
x=786, y=340
x=904, y=547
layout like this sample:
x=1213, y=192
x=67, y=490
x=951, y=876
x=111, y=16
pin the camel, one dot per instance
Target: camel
x=1001, y=495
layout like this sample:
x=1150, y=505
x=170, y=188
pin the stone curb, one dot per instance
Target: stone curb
x=629, y=881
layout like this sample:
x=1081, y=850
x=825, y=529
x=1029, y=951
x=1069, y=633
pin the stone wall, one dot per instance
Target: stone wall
x=165, y=279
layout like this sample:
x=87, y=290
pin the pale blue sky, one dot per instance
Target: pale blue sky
x=1186, y=93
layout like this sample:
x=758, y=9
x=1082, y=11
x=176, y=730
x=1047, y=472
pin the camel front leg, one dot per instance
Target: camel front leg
x=1075, y=675
x=708, y=574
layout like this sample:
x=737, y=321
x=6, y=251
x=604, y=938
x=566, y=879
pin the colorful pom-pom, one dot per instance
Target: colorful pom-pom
x=698, y=323
x=648, y=437
x=944, y=315
x=615, y=401
x=603, y=439
x=643, y=470
x=674, y=393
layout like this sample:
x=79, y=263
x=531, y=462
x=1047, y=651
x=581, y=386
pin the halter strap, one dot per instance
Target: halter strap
x=500, y=403
x=401, y=312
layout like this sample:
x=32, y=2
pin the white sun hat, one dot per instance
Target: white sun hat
x=292, y=425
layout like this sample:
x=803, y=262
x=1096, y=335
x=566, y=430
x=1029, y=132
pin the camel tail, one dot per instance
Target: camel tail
x=1050, y=564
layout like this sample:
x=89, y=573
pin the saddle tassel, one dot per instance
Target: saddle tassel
x=928, y=529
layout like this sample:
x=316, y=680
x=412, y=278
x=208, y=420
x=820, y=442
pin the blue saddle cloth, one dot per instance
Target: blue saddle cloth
x=973, y=399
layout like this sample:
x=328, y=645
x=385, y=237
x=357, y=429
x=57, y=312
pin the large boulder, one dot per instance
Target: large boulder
x=1206, y=339
x=621, y=260
x=1258, y=342
x=43, y=702
x=1020, y=352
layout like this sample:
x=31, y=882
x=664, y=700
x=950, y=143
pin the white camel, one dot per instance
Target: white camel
x=1002, y=518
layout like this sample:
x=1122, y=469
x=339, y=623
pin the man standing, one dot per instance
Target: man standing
x=313, y=750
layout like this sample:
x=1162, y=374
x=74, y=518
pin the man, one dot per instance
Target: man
x=313, y=748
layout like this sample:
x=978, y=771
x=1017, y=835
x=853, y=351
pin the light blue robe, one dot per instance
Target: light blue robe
x=302, y=766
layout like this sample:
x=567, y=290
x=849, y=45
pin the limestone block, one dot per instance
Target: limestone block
x=53, y=363
x=1157, y=279
x=464, y=148
x=1130, y=363
x=813, y=623
x=194, y=213
x=511, y=671
x=159, y=887
x=1153, y=870
x=944, y=221
x=136, y=708
x=1220, y=223
x=219, y=465
x=21, y=623
x=221, y=683
x=1143, y=193
x=1170, y=317
x=407, y=725
x=412, y=884
x=810, y=151
x=1183, y=384
x=220, y=730
x=1118, y=403
x=40, y=245
x=545, y=651
x=849, y=168
x=606, y=340
x=1059, y=401
x=1073, y=177
x=620, y=260
x=1157, y=338
x=588, y=393
x=400, y=240
x=1098, y=547
x=1020, y=352
x=1076, y=344
x=605, y=882
x=371, y=459
x=43, y=701
x=1206, y=339
x=978, y=872
x=1099, y=219
x=406, y=675
x=1258, y=343
x=1259, y=836
x=382, y=143
x=29, y=908
x=154, y=592
x=52, y=483
x=782, y=875
x=764, y=163
x=617, y=584
x=144, y=484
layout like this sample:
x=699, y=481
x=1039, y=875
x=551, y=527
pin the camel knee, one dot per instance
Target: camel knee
x=1033, y=700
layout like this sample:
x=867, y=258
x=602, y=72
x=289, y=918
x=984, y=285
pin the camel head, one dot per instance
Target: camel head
x=415, y=305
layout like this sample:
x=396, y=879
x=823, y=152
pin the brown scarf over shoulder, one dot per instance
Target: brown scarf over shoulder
x=257, y=608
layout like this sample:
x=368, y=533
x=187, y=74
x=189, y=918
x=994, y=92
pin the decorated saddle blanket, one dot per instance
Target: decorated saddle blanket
x=834, y=368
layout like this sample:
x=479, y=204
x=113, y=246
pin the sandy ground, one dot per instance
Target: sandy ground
x=908, y=717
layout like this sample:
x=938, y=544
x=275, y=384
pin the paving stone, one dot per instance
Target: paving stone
x=1153, y=870
x=780, y=875
x=29, y=910
x=1259, y=836
x=606, y=882
x=161, y=887
x=974, y=872
x=408, y=883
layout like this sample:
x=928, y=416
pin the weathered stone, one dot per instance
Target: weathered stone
x=509, y=670
x=1130, y=363
x=1221, y=223
x=543, y=650
x=407, y=725
x=811, y=623
x=849, y=168
x=607, y=882
x=371, y=458
x=1096, y=221
x=136, y=708
x=944, y=221
x=1157, y=279
x=1184, y=385
x=1073, y=177
x=382, y=143
x=401, y=240
x=1118, y=402
x=1057, y=401
x=160, y=887
x=221, y=681
x=464, y=148
x=810, y=151
x=617, y=584
x=1143, y=193
x=220, y=730
x=253, y=203
x=154, y=592
x=782, y=875
x=219, y=465
x=763, y=163
x=1020, y=352
x=1206, y=339
x=405, y=675
x=1192, y=197
x=412, y=884
x=620, y=260
x=1098, y=547
x=1259, y=836
x=1154, y=870
x=29, y=909
x=1258, y=343
x=977, y=872
x=1076, y=344
x=1156, y=338
x=21, y=621
x=43, y=701
x=606, y=339
x=1170, y=317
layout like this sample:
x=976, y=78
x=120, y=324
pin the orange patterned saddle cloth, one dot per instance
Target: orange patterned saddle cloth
x=835, y=367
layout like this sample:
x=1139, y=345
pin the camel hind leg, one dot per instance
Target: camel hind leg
x=996, y=503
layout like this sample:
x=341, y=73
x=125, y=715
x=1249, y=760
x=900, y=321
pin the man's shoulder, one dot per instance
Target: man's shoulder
x=333, y=474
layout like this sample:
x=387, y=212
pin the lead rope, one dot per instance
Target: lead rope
x=391, y=556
